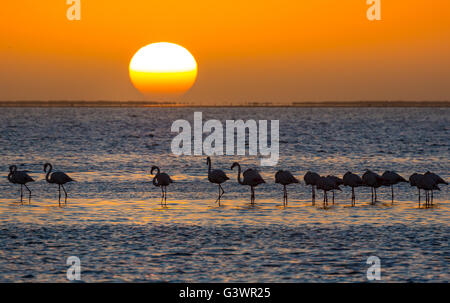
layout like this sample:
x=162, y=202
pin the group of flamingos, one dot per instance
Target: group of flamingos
x=22, y=178
x=251, y=177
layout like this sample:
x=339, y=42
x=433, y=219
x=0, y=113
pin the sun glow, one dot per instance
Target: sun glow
x=163, y=70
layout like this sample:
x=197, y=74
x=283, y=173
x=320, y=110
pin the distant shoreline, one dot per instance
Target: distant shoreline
x=251, y=104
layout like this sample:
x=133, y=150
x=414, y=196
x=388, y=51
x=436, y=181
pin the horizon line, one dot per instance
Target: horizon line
x=131, y=103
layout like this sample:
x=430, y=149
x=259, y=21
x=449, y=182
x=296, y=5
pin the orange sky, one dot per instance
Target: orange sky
x=274, y=51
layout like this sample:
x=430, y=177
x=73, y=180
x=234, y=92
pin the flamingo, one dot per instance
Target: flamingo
x=374, y=181
x=391, y=178
x=326, y=184
x=427, y=183
x=216, y=176
x=22, y=178
x=59, y=178
x=414, y=181
x=352, y=180
x=284, y=177
x=162, y=180
x=311, y=178
x=337, y=181
x=252, y=178
x=437, y=179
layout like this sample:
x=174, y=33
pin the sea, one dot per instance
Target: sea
x=114, y=223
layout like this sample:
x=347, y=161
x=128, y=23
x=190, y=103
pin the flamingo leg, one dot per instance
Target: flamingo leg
x=252, y=198
x=21, y=193
x=353, y=196
x=29, y=196
x=59, y=191
x=286, y=193
x=220, y=185
x=65, y=194
x=218, y=197
x=162, y=195
x=375, y=191
x=220, y=194
x=165, y=195
x=431, y=197
x=392, y=194
x=313, y=195
x=163, y=188
x=333, y=197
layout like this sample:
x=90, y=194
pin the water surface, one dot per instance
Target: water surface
x=113, y=220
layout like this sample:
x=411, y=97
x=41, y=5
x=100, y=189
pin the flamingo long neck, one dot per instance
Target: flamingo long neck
x=239, y=175
x=12, y=170
x=155, y=180
x=47, y=176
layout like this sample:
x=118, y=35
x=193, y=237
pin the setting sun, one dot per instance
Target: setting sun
x=163, y=70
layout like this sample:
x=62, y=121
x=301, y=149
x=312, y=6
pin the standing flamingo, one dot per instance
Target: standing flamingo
x=437, y=179
x=374, y=181
x=337, y=181
x=251, y=178
x=162, y=180
x=59, y=178
x=326, y=184
x=312, y=178
x=427, y=183
x=216, y=176
x=352, y=180
x=22, y=178
x=284, y=177
x=391, y=178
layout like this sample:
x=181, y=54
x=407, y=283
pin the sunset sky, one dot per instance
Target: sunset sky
x=247, y=51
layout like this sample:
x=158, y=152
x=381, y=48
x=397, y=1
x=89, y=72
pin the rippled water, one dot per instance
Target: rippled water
x=113, y=220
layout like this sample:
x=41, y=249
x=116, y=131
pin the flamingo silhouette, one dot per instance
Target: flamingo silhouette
x=251, y=178
x=437, y=179
x=374, y=181
x=22, y=178
x=312, y=178
x=326, y=184
x=352, y=180
x=427, y=183
x=216, y=176
x=162, y=180
x=284, y=177
x=337, y=181
x=59, y=178
x=391, y=178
